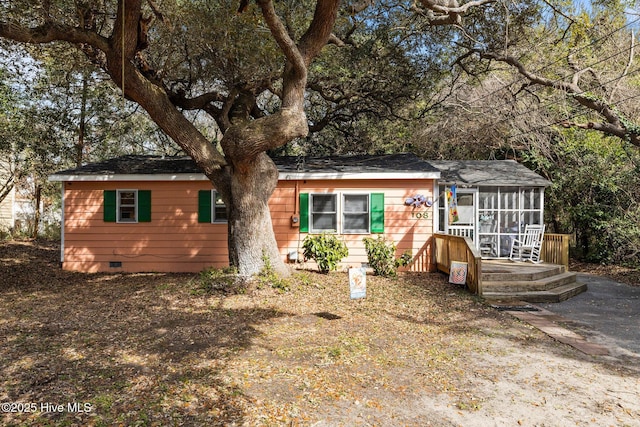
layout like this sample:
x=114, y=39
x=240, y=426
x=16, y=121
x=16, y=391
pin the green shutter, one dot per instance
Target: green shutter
x=377, y=212
x=204, y=206
x=304, y=212
x=109, y=205
x=144, y=205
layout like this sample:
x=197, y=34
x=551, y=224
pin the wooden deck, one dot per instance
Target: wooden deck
x=506, y=280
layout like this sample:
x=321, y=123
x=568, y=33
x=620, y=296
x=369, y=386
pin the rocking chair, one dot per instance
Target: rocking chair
x=528, y=247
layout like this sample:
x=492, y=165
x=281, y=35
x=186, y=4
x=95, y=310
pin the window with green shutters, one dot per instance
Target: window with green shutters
x=127, y=206
x=211, y=208
x=346, y=213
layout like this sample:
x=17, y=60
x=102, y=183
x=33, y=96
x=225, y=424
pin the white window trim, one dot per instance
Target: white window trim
x=119, y=206
x=368, y=213
x=214, y=219
x=312, y=230
x=339, y=213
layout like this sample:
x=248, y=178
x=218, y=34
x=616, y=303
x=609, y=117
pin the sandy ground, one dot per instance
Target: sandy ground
x=164, y=350
x=510, y=375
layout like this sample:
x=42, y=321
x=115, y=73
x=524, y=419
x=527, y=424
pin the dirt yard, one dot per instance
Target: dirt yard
x=165, y=350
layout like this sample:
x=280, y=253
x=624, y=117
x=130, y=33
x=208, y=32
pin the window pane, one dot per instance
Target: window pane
x=324, y=203
x=509, y=222
x=531, y=218
x=220, y=213
x=127, y=206
x=531, y=198
x=127, y=213
x=128, y=198
x=466, y=213
x=488, y=222
x=356, y=223
x=465, y=199
x=219, y=208
x=326, y=222
x=489, y=199
x=509, y=199
x=356, y=203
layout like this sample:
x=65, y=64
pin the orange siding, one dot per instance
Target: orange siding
x=410, y=231
x=174, y=241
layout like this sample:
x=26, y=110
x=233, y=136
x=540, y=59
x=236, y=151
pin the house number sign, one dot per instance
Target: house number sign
x=418, y=201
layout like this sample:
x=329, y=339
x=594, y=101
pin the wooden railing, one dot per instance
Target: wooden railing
x=555, y=249
x=457, y=248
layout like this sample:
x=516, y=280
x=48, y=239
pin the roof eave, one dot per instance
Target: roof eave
x=127, y=177
x=283, y=176
x=496, y=184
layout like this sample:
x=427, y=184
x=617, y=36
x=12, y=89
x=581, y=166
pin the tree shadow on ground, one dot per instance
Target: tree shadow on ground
x=139, y=349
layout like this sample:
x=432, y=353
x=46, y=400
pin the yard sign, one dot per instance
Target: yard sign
x=358, y=282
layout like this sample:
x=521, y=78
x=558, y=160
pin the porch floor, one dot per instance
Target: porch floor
x=505, y=280
x=506, y=266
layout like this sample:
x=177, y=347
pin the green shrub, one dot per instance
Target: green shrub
x=326, y=249
x=382, y=256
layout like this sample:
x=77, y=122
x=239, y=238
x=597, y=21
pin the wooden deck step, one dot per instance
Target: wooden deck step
x=512, y=281
x=516, y=283
x=512, y=271
x=558, y=294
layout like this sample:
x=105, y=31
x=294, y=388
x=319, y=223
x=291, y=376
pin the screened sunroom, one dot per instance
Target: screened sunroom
x=489, y=201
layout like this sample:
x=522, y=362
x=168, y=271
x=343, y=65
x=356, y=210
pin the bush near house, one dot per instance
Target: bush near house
x=326, y=250
x=382, y=256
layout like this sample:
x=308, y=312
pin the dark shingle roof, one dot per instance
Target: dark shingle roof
x=149, y=165
x=404, y=162
x=462, y=172
x=134, y=165
x=487, y=173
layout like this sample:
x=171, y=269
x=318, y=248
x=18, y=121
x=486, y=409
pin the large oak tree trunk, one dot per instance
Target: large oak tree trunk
x=251, y=235
x=252, y=177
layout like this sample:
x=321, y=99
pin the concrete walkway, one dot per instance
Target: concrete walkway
x=604, y=320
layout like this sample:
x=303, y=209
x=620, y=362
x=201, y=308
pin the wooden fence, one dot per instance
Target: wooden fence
x=458, y=248
x=555, y=249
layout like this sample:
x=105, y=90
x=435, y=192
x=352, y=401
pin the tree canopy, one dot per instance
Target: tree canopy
x=229, y=81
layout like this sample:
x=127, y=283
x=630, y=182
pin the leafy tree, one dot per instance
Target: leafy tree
x=594, y=195
x=7, y=169
x=247, y=66
x=573, y=69
x=57, y=113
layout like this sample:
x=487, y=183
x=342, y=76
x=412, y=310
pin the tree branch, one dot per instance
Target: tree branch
x=632, y=42
x=281, y=35
x=320, y=29
x=615, y=125
x=197, y=103
x=445, y=12
x=50, y=32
